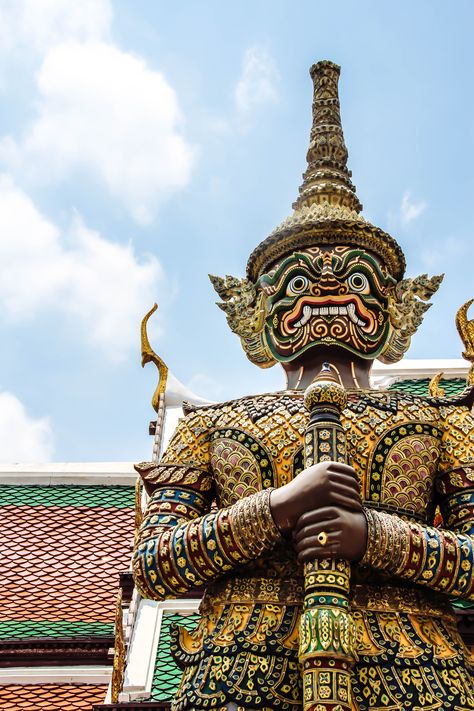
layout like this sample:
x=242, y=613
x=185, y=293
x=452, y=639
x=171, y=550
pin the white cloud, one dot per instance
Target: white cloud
x=23, y=438
x=105, y=111
x=40, y=24
x=102, y=285
x=258, y=81
x=410, y=209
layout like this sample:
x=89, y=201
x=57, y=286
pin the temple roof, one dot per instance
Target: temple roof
x=63, y=549
x=453, y=386
x=166, y=674
x=71, y=593
x=50, y=697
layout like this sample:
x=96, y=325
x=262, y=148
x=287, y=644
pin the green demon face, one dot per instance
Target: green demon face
x=335, y=296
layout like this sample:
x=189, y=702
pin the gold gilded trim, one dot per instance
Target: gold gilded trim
x=118, y=670
x=320, y=225
x=389, y=598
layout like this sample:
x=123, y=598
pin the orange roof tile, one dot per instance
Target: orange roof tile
x=51, y=697
x=60, y=564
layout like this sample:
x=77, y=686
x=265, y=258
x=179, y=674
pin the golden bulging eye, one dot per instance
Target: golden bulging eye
x=358, y=282
x=297, y=285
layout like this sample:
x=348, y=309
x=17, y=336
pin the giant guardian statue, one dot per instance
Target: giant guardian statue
x=309, y=519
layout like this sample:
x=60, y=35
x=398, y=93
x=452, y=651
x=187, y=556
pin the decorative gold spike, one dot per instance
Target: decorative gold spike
x=138, y=505
x=466, y=332
x=327, y=179
x=119, y=652
x=434, y=386
x=149, y=356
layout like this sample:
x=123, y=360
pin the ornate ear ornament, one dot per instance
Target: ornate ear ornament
x=244, y=306
x=406, y=307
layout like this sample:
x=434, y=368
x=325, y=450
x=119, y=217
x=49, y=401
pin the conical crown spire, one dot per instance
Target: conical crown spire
x=327, y=179
x=327, y=209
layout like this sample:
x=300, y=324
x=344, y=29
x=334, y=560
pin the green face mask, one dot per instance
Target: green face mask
x=334, y=296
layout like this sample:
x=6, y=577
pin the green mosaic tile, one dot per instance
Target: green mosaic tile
x=167, y=674
x=420, y=387
x=31, y=628
x=67, y=495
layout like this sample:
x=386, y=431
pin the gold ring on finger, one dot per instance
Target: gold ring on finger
x=322, y=538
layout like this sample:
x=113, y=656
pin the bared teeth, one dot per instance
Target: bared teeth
x=346, y=310
x=351, y=310
x=307, y=311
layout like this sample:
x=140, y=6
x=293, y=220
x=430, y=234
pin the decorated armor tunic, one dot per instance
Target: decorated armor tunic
x=208, y=524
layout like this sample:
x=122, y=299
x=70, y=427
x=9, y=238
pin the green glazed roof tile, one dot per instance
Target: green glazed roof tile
x=167, y=674
x=67, y=495
x=32, y=628
x=453, y=386
x=63, y=549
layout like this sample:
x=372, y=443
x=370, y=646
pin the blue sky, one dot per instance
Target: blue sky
x=145, y=144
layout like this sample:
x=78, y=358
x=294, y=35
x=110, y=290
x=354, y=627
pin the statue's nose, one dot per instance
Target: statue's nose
x=329, y=283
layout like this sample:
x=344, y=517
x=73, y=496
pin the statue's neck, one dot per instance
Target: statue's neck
x=354, y=372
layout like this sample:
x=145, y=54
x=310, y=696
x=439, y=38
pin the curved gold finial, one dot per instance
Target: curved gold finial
x=466, y=332
x=434, y=387
x=149, y=356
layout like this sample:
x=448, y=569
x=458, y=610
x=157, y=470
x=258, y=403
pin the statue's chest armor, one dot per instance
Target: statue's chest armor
x=393, y=442
x=257, y=445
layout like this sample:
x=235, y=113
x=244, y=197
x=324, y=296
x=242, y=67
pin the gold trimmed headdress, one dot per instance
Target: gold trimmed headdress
x=325, y=212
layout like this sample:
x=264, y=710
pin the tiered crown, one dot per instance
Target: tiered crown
x=327, y=208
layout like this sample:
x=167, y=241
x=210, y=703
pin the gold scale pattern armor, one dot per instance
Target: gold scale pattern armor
x=410, y=453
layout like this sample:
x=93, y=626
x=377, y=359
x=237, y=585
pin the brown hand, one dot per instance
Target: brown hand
x=318, y=486
x=346, y=534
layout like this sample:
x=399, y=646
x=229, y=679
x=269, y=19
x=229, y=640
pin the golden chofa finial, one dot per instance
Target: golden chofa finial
x=327, y=179
x=149, y=356
x=434, y=386
x=466, y=331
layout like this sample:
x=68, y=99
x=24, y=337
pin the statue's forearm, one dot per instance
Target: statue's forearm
x=434, y=557
x=175, y=554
